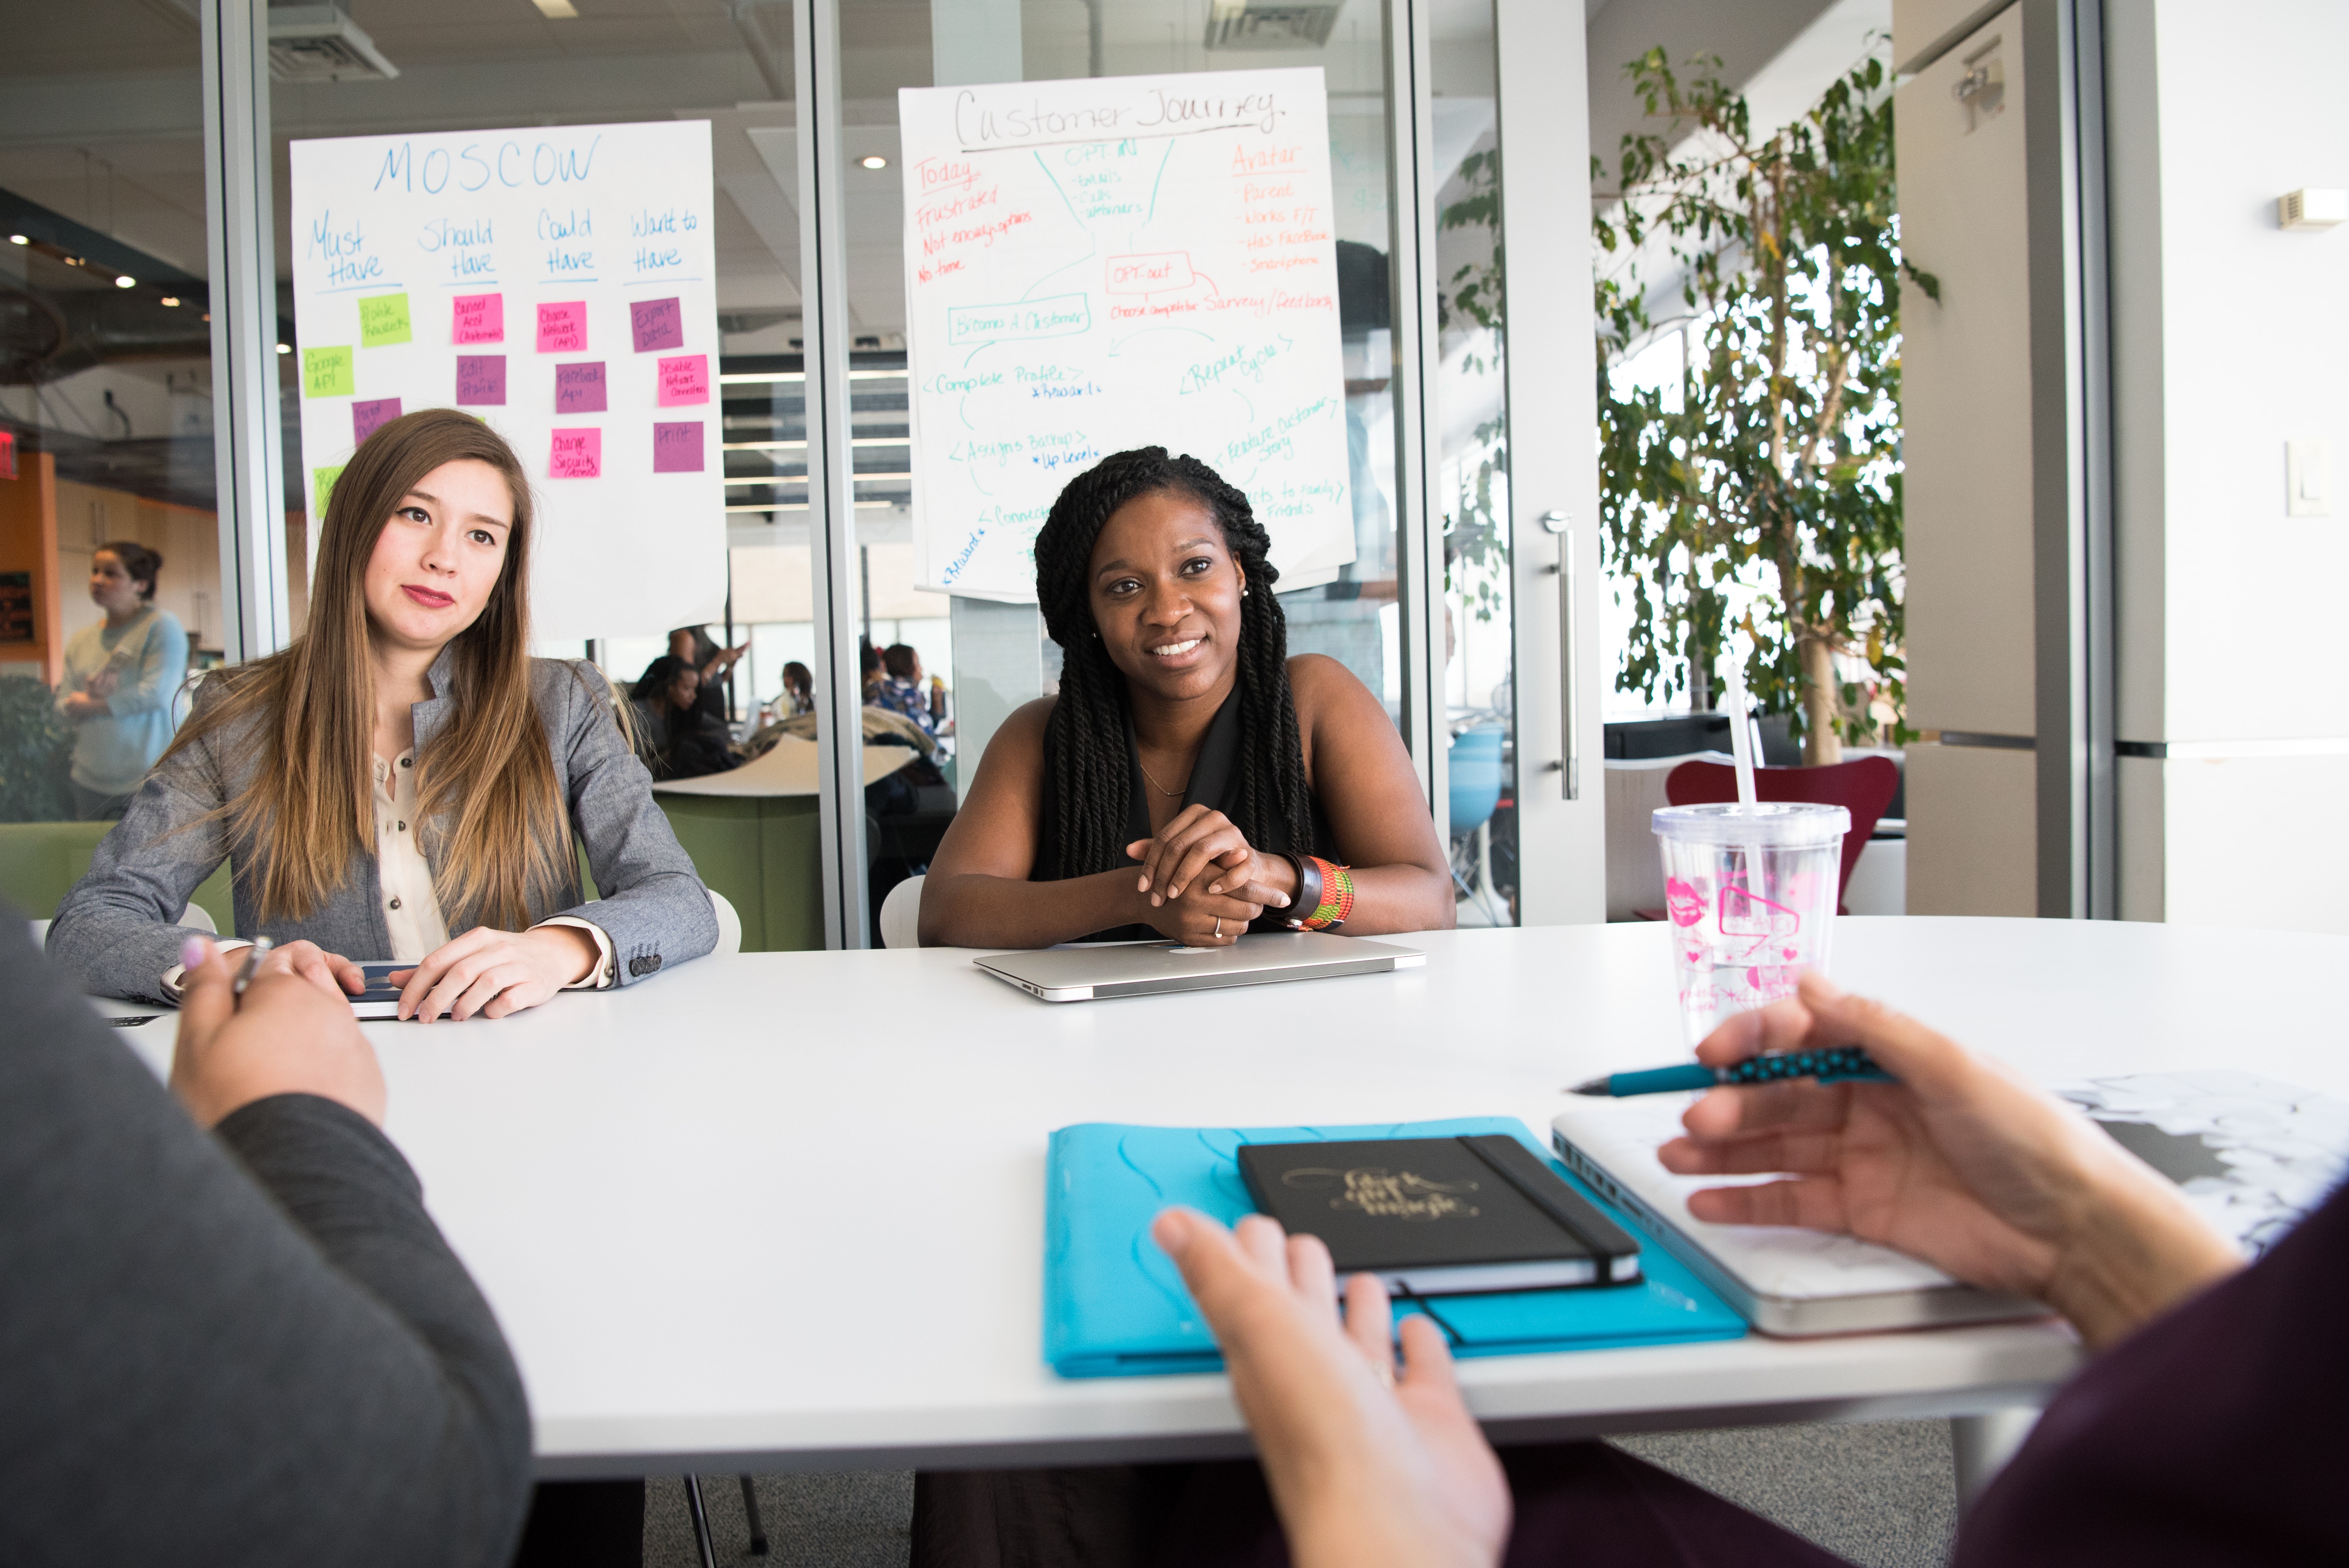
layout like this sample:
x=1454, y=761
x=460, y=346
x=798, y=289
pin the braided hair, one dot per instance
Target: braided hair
x=1085, y=756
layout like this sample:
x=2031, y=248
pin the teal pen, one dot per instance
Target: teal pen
x=1844, y=1063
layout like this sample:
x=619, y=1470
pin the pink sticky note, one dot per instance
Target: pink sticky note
x=576, y=455
x=563, y=328
x=677, y=449
x=368, y=413
x=481, y=378
x=579, y=387
x=480, y=318
x=659, y=324
x=684, y=380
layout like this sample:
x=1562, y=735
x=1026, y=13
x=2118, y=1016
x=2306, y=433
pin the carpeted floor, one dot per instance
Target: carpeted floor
x=1880, y=1494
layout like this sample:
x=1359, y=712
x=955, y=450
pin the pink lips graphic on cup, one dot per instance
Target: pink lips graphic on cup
x=1686, y=905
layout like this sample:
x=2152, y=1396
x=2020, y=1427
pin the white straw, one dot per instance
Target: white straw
x=1741, y=747
x=1741, y=734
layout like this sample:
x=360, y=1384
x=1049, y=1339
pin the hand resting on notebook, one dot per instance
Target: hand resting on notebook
x=1367, y=1466
x=1957, y=1162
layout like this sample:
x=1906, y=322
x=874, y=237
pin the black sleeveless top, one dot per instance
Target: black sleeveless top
x=1211, y=780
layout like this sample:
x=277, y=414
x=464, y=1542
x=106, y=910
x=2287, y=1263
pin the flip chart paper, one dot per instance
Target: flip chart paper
x=368, y=413
x=383, y=321
x=656, y=323
x=684, y=380
x=677, y=449
x=481, y=379
x=579, y=388
x=563, y=328
x=478, y=229
x=1107, y=264
x=576, y=455
x=478, y=318
x=327, y=372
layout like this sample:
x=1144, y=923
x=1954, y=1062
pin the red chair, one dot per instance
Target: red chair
x=1864, y=787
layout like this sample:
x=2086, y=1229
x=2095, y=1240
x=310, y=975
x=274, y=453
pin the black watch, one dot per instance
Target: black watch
x=1308, y=890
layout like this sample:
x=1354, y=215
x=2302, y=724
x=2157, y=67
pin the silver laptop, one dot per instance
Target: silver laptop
x=1147, y=968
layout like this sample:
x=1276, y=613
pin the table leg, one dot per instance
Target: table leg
x=1980, y=1447
x=701, y=1520
x=758, y=1525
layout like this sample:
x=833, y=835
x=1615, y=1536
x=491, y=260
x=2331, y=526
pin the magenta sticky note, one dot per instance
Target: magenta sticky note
x=659, y=324
x=684, y=380
x=480, y=318
x=563, y=328
x=579, y=387
x=576, y=455
x=677, y=449
x=367, y=413
x=481, y=378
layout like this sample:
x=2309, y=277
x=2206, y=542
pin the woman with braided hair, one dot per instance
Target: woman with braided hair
x=1191, y=779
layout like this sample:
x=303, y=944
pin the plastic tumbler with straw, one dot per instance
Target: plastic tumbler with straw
x=1750, y=890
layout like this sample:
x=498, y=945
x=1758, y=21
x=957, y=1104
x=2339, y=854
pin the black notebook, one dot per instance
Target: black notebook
x=1441, y=1216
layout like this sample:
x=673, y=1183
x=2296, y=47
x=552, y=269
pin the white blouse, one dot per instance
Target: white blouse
x=411, y=911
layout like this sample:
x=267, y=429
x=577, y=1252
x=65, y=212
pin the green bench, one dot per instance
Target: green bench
x=760, y=851
x=40, y=861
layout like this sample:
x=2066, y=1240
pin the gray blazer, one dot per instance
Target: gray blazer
x=114, y=934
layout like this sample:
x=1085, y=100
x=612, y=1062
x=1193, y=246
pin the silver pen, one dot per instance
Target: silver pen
x=252, y=957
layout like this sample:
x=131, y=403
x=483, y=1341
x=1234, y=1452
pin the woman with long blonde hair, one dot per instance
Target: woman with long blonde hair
x=404, y=782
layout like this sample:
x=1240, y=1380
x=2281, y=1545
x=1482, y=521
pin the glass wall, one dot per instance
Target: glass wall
x=100, y=151
x=106, y=432
x=1471, y=402
x=1346, y=611
x=464, y=66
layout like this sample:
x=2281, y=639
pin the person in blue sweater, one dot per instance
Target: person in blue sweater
x=120, y=677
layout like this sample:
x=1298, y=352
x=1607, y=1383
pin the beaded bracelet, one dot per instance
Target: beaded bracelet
x=1323, y=888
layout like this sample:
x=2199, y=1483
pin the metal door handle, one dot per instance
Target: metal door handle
x=1570, y=765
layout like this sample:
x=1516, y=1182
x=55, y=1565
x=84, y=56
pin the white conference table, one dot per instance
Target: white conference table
x=784, y=1211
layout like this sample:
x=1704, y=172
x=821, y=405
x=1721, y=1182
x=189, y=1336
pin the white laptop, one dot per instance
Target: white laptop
x=1149, y=968
x=1781, y=1279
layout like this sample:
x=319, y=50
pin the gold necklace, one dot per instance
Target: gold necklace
x=1157, y=786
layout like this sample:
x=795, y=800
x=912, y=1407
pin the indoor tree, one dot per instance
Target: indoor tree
x=1774, y=475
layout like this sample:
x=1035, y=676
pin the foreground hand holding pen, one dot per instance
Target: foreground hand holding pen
x=284, y=1035
x=1957, y=1161
x=1960, y=1162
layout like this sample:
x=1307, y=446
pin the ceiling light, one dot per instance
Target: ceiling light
x=874, y=160
x=73, y=261
x=556, y=10
x=171, y=299
x=320, y=42
x=18, y=239
x=1270, y=24
x=282, y=348
x=125, y=280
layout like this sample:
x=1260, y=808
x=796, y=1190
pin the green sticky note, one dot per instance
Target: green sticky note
x=326, y=373
x=383, y=318
x=323, y=481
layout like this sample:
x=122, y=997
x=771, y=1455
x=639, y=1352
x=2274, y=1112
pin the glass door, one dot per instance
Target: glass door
x=106, y=401
x=978, y=658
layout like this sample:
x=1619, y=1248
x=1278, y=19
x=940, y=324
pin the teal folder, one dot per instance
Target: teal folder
x=1114, y=1305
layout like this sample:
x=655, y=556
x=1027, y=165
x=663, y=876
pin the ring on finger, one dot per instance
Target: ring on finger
x=1385, y=1372
x=1220, y=927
